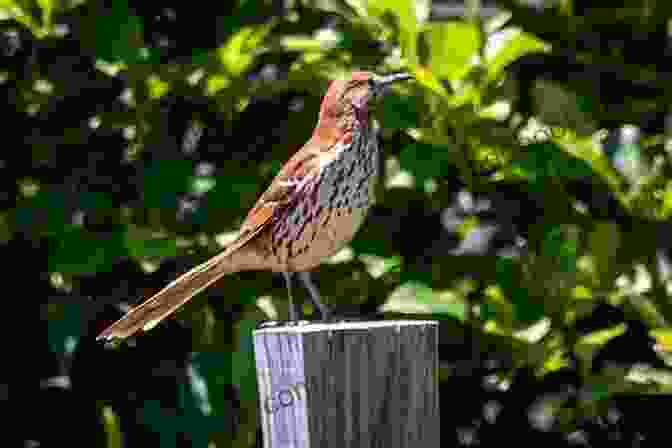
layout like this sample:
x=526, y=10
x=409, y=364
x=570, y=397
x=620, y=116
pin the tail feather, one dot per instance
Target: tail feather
x=165, y=302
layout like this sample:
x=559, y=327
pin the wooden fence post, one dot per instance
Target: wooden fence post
x=349, y=384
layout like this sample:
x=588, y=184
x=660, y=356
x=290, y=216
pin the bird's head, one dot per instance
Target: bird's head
x=346, y=101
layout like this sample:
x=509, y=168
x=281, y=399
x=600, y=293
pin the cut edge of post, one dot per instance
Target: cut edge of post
x=358, y=325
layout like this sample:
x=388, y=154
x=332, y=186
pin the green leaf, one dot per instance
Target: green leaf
x=172, y=424
x=164, y=180
x=430, y=81
x=599, y=391
x=405, y=11
x=604, y=242
x=226, y=194
x=449, y=304
x=453, y=47
x=378, y=266
x=95, y=200
x=509, y=45
x=663, y=336
x=10, y=9
x=45, y=212
x=241, y=49
x=532, y=334
x=399, y=112
x=371, y=244
x=666, y=206
x=423, y=292
x=590, y=151
x=509, y=279
x=215, y=83
x=50, y=212
x=205, y=411
x=209, y=374
x=65, y=326
x=425, y=161
x=156, y=87
x=600, y=337
x=47, y=7
x=112, y=428
x=142, y=244
x=78, y=252
x=417, y=297
x=118, y=34
x=561, y=245
x=540, y=161
x=243, y=370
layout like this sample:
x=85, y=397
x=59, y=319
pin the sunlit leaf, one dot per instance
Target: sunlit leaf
x=112, y=428
x=10, y=9
x=589, y=150
x=202, y=184
x=467, y=94
x=534, y=332
x=508, y=46
x=644, y=374
x=427, y=79
x=497, y=307
x=557, y=360
x=663, y=337
x=215, y=83
x=453, y=48
x=666, y=208
x=581, y=292
x=417, y=297
x=157, y=87
x=601, y=337
x=405, y=11
x=240, y=51
x=47, y=8
x=300, y=43
x=378, y=266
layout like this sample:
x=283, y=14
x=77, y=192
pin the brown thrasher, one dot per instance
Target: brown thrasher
x=312, y=208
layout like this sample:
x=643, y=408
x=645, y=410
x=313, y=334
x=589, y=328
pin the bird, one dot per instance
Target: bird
x=311, y=209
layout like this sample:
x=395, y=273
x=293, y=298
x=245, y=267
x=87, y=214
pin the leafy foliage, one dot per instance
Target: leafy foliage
x=507, y=208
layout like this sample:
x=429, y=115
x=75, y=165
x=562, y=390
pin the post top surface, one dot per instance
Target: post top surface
x=340, y=326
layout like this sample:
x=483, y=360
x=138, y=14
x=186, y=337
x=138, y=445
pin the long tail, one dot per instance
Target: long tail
x=153, y=310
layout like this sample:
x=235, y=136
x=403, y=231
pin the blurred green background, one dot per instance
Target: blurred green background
x=525, y=204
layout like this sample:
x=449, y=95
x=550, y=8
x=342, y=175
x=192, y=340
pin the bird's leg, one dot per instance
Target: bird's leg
x=288, y=281
x=314, y=294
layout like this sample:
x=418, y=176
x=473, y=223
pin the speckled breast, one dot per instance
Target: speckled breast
x=328, y=211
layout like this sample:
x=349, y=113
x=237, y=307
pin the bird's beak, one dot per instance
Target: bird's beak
x=381, y=83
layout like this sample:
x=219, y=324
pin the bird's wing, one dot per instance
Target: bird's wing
x=279, y=193
x=178, y=292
